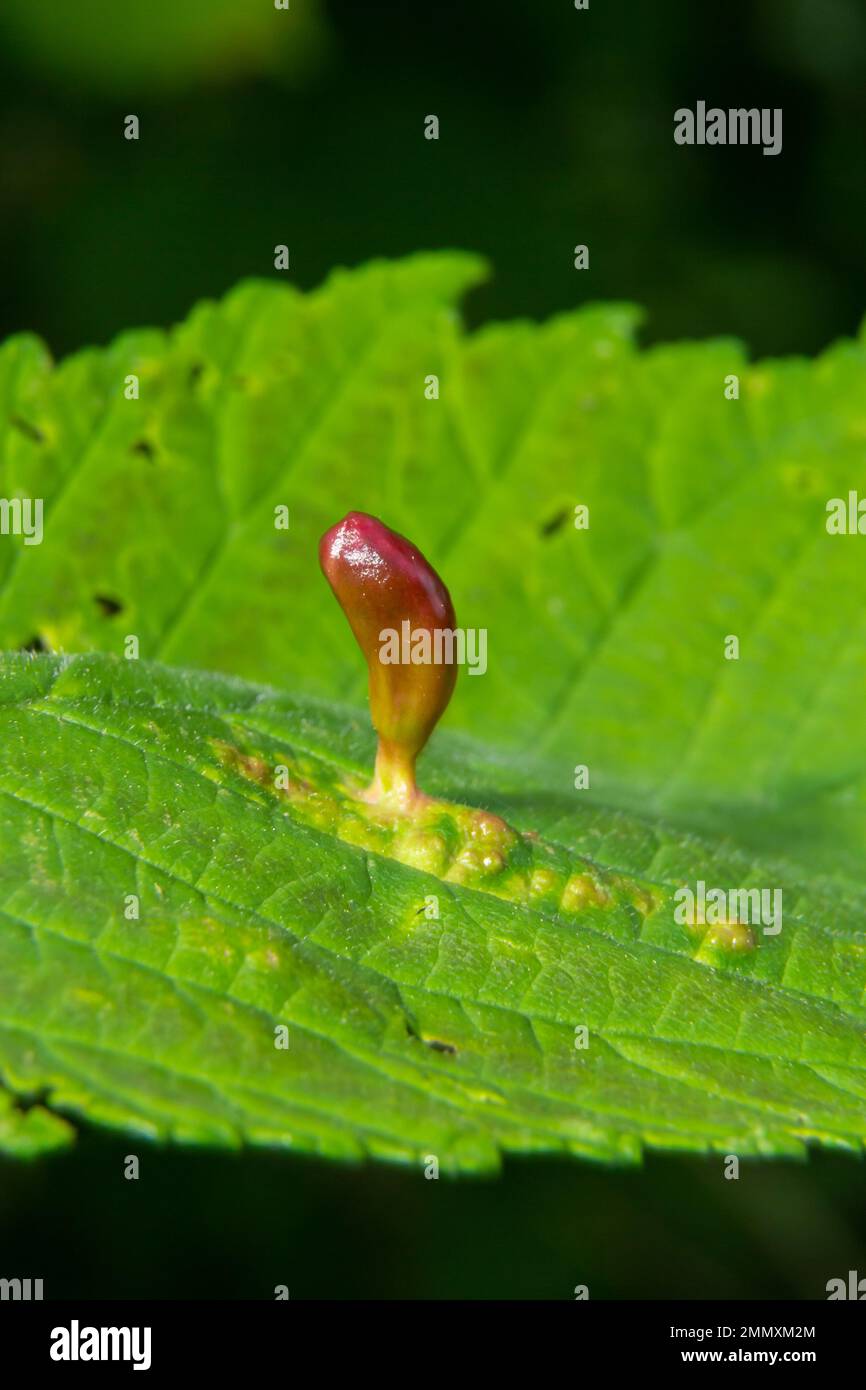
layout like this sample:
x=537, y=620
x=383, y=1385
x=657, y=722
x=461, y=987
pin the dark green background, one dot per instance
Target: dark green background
x=556, y=128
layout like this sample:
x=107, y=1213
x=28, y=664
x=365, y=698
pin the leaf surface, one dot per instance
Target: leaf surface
x=126, y=785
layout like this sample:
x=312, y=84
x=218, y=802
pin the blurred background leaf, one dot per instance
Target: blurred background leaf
x=163, y=46
x=556, y=129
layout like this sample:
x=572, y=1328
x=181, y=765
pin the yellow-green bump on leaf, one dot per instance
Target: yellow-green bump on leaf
x=459, y=844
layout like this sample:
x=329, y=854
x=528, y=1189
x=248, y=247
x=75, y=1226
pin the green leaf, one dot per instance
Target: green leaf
x=707, y=518
x=26, y=1131
x=132, y=788
x=455, y=1035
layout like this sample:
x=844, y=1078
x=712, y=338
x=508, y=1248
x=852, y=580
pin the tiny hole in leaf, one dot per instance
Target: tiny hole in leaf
x=144, y=447
x=440, y=1046
x=109, y=605
x=31, y=431
x=556, y=523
